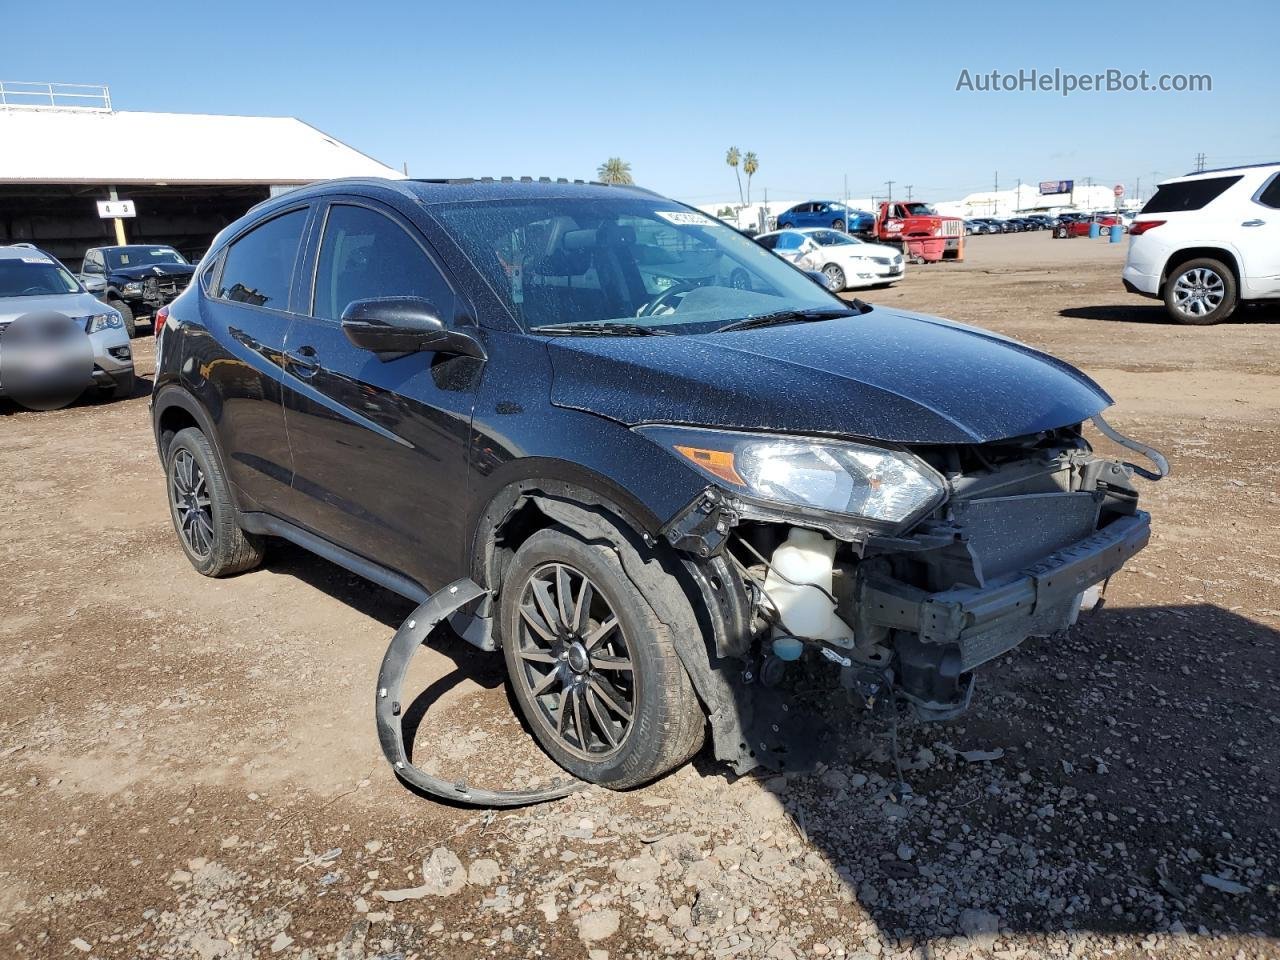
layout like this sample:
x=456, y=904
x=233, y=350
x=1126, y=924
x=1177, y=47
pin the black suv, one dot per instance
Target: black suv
x=678, y=481
x=136, y=279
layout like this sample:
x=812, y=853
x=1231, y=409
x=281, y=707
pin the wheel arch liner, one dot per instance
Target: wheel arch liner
x=411, y=635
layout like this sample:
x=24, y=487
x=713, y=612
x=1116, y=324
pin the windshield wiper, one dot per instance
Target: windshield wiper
x=787, y=316
x=608, y=329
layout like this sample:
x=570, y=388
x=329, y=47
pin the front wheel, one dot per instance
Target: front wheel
x=1201, y=292
x=592, y=667
x=126, y=314
x=835, y=277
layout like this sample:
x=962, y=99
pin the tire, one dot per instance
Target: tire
x=784, y=226
x=1205, y=285
x=837, y=225
x=666, y=724
x=206, y=522
x=126, y=383
x=835, y=277
x=126, y=314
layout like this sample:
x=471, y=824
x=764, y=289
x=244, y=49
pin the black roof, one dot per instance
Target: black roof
x=430, y=191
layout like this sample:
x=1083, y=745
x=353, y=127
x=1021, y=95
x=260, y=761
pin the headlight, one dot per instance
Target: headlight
x=833, y=476
x=103, y=321
x=133, y=286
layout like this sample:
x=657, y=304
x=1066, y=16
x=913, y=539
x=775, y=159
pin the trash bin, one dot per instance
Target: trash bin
x=1094, y=230
x=1117, y=232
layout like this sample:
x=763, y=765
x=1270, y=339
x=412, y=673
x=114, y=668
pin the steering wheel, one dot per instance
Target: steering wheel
x=651, y=308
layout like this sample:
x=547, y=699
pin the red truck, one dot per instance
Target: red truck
x=921, y=231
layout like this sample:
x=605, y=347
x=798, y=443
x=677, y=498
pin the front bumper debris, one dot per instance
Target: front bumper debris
x=389, y=709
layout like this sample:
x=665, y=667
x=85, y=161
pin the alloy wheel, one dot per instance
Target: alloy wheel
x=835, y=277
x=1198, y=292
x=189, y=494
x=574, y=662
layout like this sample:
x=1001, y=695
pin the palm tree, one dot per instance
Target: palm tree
x=750, y=164
x=732, y=158
x=615, y=170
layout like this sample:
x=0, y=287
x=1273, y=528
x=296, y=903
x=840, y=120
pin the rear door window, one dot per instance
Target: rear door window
x=258, y=267
x=1189, y=194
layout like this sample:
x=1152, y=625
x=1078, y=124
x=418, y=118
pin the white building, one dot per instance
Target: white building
x=189, y=175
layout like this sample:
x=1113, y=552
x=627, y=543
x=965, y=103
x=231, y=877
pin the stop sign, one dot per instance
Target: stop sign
x=1118, y=190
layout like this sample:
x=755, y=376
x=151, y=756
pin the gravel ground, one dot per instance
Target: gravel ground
x=189, y=768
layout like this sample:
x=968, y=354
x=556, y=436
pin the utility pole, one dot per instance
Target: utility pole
x=1137, y=191
x=1199, y=163
x=889, y=184
x=995, y=203
x=1017, y=197
x=908, y=191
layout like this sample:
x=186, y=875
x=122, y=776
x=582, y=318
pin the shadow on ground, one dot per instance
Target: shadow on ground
x=1151, y=311
x=1134, y=792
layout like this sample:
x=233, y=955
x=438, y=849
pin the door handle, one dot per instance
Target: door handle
x=1253, y=223
x=305, y=360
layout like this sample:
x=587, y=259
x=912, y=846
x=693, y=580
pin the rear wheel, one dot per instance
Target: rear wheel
x=1200, y=292
x=592, y=667
x=837, y=225
x=203, y=513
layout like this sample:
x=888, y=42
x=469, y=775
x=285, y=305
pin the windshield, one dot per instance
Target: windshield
x=118, y=257
x=919, y=210
x=35, y=276
x=832, y=238
x=638, y=261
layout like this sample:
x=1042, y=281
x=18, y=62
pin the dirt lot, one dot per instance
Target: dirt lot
x=189, y=768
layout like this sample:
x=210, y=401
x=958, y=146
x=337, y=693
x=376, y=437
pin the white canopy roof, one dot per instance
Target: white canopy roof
x=120, y=147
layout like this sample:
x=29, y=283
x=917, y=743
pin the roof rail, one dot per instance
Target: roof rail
x=29, y=95
x=507, y=179
x=1242, y=166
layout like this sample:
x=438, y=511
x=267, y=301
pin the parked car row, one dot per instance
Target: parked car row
x=1019, y=224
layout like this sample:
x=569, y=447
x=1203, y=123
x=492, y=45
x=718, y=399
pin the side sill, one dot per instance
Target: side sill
x=268, y=525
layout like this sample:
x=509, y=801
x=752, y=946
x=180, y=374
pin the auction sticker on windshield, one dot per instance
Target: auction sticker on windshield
x=685, y=218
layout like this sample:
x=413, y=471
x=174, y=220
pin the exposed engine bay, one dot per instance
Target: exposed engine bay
x=1029, y=533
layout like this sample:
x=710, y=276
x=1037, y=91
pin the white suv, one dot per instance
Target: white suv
x=1206, y=242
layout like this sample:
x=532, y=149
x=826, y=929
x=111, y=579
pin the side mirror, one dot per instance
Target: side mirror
x=396, y=326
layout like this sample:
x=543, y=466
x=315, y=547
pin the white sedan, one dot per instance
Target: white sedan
x=846, y=261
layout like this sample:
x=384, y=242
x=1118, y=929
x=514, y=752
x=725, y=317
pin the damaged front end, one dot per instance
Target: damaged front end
x=1022, y=536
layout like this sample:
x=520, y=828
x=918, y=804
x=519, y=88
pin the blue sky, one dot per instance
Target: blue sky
x=819, y=91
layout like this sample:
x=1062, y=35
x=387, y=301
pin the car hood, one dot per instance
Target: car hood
x=71, y=304
x=890, y=376
x=144, y=270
